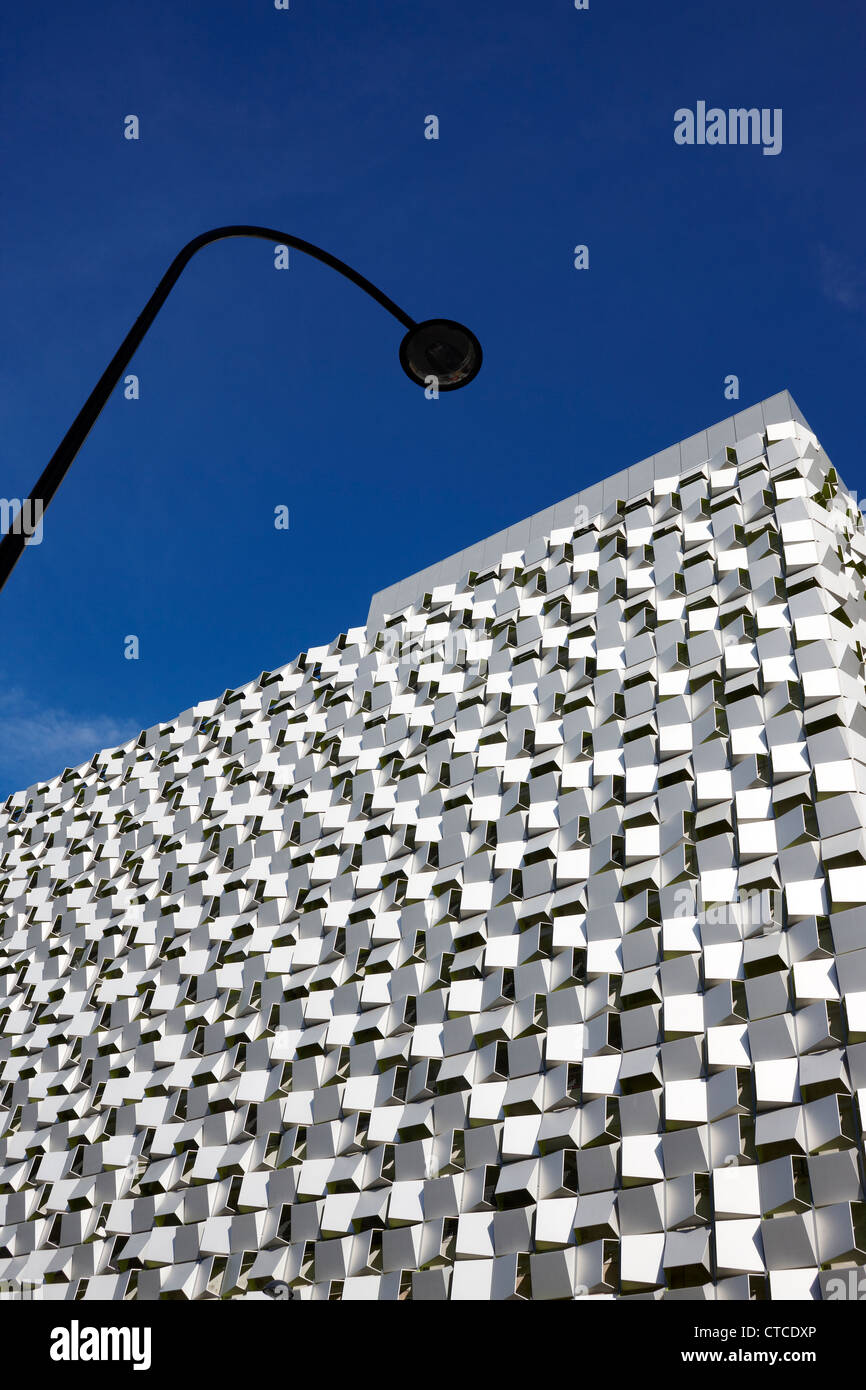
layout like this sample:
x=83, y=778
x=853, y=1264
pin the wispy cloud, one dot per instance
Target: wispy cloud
x=842, y=278
x=38, y=741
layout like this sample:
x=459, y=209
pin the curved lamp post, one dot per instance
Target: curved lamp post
x=437, y=349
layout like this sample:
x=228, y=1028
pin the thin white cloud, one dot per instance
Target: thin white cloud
x=843, y=279
x=37, y=742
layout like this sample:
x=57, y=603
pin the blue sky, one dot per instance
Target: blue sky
x=261, y=388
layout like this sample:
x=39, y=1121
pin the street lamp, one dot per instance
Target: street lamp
x=436, y=352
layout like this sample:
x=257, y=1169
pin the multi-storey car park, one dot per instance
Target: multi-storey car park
x=511, y=947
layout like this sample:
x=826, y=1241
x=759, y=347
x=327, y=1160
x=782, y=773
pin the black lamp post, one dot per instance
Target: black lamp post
x=437, y=351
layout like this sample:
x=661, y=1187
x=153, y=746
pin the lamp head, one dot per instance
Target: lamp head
x=443, y=350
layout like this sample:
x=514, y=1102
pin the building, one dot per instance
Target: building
x=514, y=946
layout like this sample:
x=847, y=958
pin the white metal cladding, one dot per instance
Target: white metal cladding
x=515, y=950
